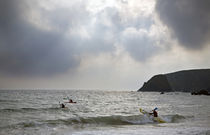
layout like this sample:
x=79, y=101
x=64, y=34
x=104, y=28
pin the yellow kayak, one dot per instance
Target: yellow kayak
x=156, y=119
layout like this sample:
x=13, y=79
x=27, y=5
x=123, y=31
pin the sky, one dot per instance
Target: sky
x=100, y=44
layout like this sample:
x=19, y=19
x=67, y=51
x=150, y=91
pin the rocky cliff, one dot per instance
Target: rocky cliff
x=185, y=81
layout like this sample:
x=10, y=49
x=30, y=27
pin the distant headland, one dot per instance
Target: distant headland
x=183, y=81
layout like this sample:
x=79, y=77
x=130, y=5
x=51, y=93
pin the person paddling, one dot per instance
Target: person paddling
x=62, y=105
x=70, y=101
x=154, y=113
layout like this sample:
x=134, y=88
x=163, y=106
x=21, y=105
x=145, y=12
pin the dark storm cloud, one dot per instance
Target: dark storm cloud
x=28, y=50
x=189, y=20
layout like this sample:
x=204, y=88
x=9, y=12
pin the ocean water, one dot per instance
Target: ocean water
x=37, y=112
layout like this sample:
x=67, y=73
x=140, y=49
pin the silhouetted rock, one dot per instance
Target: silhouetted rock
x=201, y=92
x=185, y=81
x=157, y=83
x=161, y=92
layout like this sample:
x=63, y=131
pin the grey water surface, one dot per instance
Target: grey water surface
x=33, y=112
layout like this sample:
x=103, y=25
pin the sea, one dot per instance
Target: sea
x=96, y=112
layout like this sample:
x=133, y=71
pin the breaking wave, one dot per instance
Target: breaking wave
x=100, y=120
x=117, y=120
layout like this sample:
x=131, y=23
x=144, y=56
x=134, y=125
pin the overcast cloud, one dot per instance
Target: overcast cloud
x=39, y=41
x=73, y=44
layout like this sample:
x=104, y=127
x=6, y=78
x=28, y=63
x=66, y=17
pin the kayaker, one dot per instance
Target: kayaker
x=71, y=101
x=154, y=113
x=62, y=105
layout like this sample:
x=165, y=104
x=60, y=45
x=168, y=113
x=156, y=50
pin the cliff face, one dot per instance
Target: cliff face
x=158, y=82
x=186, y=81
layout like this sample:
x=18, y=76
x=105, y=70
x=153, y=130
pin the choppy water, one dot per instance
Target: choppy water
x=35, y=112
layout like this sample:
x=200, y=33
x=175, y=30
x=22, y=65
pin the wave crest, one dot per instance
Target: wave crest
x=115, y=120
x=100, y=120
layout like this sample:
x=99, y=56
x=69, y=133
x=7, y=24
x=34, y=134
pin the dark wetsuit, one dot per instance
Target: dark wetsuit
x=155, y=113
x=62, y=106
